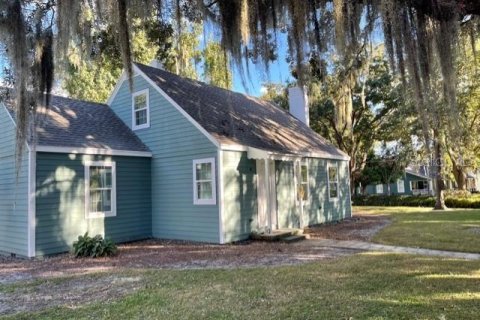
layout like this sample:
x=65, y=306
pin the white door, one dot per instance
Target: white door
x=266, y=195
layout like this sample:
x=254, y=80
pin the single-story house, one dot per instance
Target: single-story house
x=473, y=181
x=412, y=182
x=173, y=159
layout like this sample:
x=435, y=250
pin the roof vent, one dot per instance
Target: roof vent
x=298, y=104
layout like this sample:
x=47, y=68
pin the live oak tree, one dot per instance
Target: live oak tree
x=380, y=112
x=419, y=34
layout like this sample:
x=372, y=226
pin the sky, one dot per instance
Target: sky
x=278, y=73
x=252, y=85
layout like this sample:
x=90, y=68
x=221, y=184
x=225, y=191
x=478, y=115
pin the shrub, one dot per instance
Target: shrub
x=415, y=201
x=457, y=193
x=95, y=247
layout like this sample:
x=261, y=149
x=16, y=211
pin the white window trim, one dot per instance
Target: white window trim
x=304, y=164
x=401, y=182
x=197, y=201
x=136, y=94
x=113, y=212
x=377, y=187
x=328, y=182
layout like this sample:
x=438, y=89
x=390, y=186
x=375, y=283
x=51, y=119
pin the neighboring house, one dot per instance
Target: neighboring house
x=173, y=159
x=473, y=181
x=413, y=182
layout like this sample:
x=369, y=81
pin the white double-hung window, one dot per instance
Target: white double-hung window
x=100, y=189
x=379, y=188
x=204, y=190
x=400, y=186
x=332, y=176
x=303, y=187
x=140, y=110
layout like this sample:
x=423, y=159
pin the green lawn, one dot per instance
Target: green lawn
x=364, y=286
x=454, y=230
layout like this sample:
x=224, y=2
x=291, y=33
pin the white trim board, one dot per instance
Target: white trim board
x=334, y=165
x=146, y=125
x=113, y=195
x=94, y=151
x=32, y=164
x=213, y=200
x=117, y=87
x=220, y=196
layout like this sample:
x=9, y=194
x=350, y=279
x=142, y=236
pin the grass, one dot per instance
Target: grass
x=366, y=286
x=453, y=230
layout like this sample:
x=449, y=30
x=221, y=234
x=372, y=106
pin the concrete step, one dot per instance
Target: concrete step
x=276, y=235
x=293, y=238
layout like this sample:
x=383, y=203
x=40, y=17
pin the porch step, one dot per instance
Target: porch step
x=283, y=235
x=294, y=238
x=276, y=235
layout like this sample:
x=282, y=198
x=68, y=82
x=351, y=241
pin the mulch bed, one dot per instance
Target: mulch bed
x=188, y=255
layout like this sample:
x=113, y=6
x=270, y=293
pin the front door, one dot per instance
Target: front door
x=267, y=195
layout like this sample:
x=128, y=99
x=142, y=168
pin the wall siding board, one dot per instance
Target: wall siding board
x=319, y=208
x=175, y=143
x=371, y=189
x=240, y=195
x=13, y=192
x=60, y=201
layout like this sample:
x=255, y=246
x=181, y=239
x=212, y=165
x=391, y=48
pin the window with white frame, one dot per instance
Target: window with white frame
x=379, y=188
x=332, y=182
x=400, y=186
x=140, y=110
x=100, y=189
x=303, y=185
x=204, y=191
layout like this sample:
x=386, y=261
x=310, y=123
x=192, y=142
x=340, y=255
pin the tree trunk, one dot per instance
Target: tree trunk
x=460, y=176
x=457, y=170
x=440, y=183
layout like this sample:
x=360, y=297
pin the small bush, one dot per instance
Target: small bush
x=456, y=193
x=95, y=247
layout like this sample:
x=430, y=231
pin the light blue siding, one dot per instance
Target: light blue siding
x=407, y=179
x=318, y=208
x=13, y=192
x=60, y=201
x=175, y=143
x=240, y=195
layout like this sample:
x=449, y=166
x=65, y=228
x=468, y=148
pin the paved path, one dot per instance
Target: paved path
x=368, y=246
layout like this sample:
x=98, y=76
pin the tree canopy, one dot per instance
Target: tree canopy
x=420, y=36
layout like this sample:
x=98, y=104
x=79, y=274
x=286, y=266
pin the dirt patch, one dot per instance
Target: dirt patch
x=74, y=282
x=165, y=254
x=361, y=227
x=83, y=285
x=183, y=255
x=88, y=280
x=70, y=293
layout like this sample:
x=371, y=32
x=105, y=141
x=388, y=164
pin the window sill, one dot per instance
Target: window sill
x=143, y=126
x=205, y=202
x=97, y=215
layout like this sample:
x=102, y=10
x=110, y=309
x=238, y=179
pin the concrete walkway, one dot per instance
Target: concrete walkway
x=368, y=246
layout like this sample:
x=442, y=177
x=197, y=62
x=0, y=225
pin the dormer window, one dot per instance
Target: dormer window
x=140, y=110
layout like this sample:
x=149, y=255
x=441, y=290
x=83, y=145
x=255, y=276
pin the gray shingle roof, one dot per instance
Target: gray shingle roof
x=237, y=119
x=80, y=124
